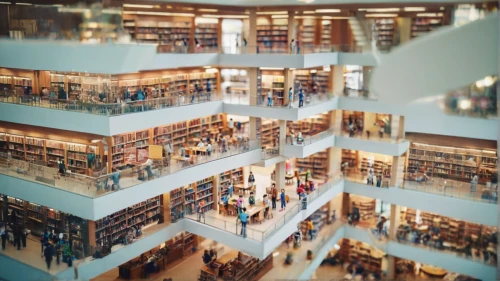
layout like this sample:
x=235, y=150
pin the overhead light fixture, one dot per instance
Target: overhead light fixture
x=381, y=15
x=309, y=12
x=313, y=71
x=225, y=16
x=207, y=66
x=208, y=10
x=279, y=16
x=306, y=1
x=24, y=4
x=430, y=15
x=414, y=9
x=442, y=8
x=5, y=3
x=273, y=13
x=158, y=13
x=139, y=6
x=327, y=10
x=272, y=68
x=58, y=5
x=187, y=8
x=380, y=10
x=211, y=70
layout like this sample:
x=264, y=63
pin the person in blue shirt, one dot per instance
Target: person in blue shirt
x=243, y=217
x=290, y=97
x=230, y=190
x=301, y=98
x=225, y=201
x=140, y=95
x=209, y=88
x=283, y=200
x=115, y=177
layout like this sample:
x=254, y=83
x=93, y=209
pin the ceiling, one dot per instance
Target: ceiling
x=267, y=3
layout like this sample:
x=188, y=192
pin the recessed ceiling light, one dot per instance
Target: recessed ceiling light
x=273, y=13
x=306, y=1
x=309, y=12
x=24, y=4
x=414, y=9
x=442, y=8
x=327, y=11
x=430, y=15
x=381, y=15
x=381, y=10
x=208, y=10
x=5, y=3
x=138, y=6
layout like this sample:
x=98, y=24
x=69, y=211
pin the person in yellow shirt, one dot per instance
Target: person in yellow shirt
x=310, y=228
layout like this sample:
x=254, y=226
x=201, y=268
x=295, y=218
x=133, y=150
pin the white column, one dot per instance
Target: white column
x=252, y=78
x=334, y=159
x=337, y=79
x=252, y=34
x=394, y=221
x=291, y=26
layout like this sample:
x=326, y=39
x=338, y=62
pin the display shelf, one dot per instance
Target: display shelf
x=353, y=251
x=271, y=37
x=269, y=133
x=326, y=32
x=319, y=219
x=306, y=34
x=453, y=163
x=158, y=32
x=354, y=117
x=350, y=157
x=207, y=35
x=379, y=167
x=385, y=32
x=366, y=209
x=110, y=229
x=6, y=82
x=421, y=26
x=316, y=163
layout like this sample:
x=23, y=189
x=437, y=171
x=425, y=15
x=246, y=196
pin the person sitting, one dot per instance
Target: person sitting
x=207, y=258
x=251, y=199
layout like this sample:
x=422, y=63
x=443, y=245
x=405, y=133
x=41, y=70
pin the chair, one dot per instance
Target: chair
x=260, y=217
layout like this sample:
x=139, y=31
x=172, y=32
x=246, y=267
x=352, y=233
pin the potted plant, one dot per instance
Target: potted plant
x=67, y=254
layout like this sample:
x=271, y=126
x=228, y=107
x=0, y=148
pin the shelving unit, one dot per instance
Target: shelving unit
x=21, y=82
x=272, y=38
x=351, y=157
x=356, y=116
x=317, y=163
x=247, y=268
x=326, y=32
x=16, y=147
x=353, y=251
x=379, y=167
x=366, y=209
x=157, y=32
x=319, y=219
x=207, y=34
x=421, y=26
x=385, y=28
x=310, y=126
x=6, y=82
x=306, y=34
x=312, y=82
x=452, y=163
x=112, y=227
x=269, y=132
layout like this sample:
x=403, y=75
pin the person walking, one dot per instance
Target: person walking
x=283, y=200
x=230, y=125
x=473, y=183
x=17, y=231
x=200, y=211
x=49, y=254
x=243, y=217
x=301, y=98
x=3, y=235
x=24, y=234
x=269, y=98
x=274, y=195
x=290, y=97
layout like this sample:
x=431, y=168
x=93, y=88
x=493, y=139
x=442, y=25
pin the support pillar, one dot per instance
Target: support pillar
x=391, y=268
x=334, y=159
x=337, y=80
x=394, y=221
x=252, y=78
x=397, y=127
x=252, y=34
x=288, y=84
x=291, y=28
x=397, y=171
x=367, y=72
x=280, y=175
x=336, y=120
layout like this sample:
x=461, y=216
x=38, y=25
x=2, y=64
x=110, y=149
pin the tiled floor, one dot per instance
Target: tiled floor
x=256, y=231
x=32, y=255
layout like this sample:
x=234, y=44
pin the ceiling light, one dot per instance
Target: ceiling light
x=381, y=10
x=169, y=7
x=313, y=71
x=207, y=66
x=442, y=8
x=208, y=10
x=430, y=15
x=187, y=8
x=225, y=16
x=327, y=11
x=138, y=6
x=306, y=1
x=158, y=14
x=279, y=16
x=211, y=70
x=381, y=15
x=24, y=4
x=5, y=3
x=272, y=68
x=309, y=12
x=58, y=5
x=273, y=13
x=414, y=9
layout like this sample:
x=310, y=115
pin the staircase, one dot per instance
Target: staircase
x=359, y=33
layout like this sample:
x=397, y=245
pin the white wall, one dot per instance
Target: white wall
x=262, y=179
x=380, y=147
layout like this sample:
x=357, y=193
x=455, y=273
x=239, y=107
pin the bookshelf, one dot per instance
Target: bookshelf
x=35, y=217
x=269, y=132
x=317, y=163
x=326, y=32
x=157, y=32
x=5, y=82
x=351, y=157
x=306, y=35
x=310, y=126
x=21, y=82
x=451, y=162
x=421, y=26
x=353, y=251
x=15, y=144
x=379, y=167
x=35, y=151
x=109, y=229
x=354, y=116
x=275, y=84
x=272, y=37
x=319, y=219
x=207, y=34
x=202, y=78
x=366, y=209
x=385, y=30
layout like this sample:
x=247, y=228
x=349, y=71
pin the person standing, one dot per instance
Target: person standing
x=230, y=189
x=24, y=234
x=310, y=228
x=243, y=217
x=230, y=125
x=301, y=98
x=274, y=195
x=209, y=148
x=473, y=183
x=209, y=88
x=49, y=254
x=251, y=179
x=115, y=177
x=240, y=204
x=17, y=231
x=292, y=46
x=269, y=98
x=283, y=200
x=200, y=211
x=298, y=47
x=290, y=97
x=3, y=235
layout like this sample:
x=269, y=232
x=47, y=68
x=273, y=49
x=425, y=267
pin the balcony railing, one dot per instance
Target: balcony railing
x=275, y=102
x=266, y=48
x=307, y=140
x=107, y=109
x=113, y=182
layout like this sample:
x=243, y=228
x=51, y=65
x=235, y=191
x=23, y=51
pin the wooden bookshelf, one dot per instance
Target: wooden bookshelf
x=313, y=82
x=451, y=162
x=310, y=126
x=421, y=26
x=353, y=251
x=351, y=157
x=306, y=35
x=316, y=163
x=6, y=82
x=366, y=209
x=326, y=32
x=386, y=30
x=379, y=167
x=109, y=229
x=319, y=219
x=269, y=132
x=272, y=37
x=354, y=116
x=207, y=34
x=157, y=32
x=247, y=268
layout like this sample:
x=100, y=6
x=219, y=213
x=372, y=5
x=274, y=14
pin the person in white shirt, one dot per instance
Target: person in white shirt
x=230, y=125
x=293, y=137
x=148, y=166
x=269, y=98
x=201, y=144
x=169, y=149
x=209, y=149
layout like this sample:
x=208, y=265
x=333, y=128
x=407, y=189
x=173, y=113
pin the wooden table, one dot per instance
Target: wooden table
x=228, y=257
x=195, y=149
x=238, y=187
x=289, y=179
x=255, y=210
x=210, y=271
x=231, y=207
x=433, y=271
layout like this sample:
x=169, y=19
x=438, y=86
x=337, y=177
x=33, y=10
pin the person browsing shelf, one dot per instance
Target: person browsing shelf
x=283, y=200
x=290, y=97
x=209, y=149
x=115, y=177
x=209, y=89
x=169, y=149
x=301, y=98
x=230, y=125
x=269, y=98
x=225, y=201
x=230, y=189
x=148, y=167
